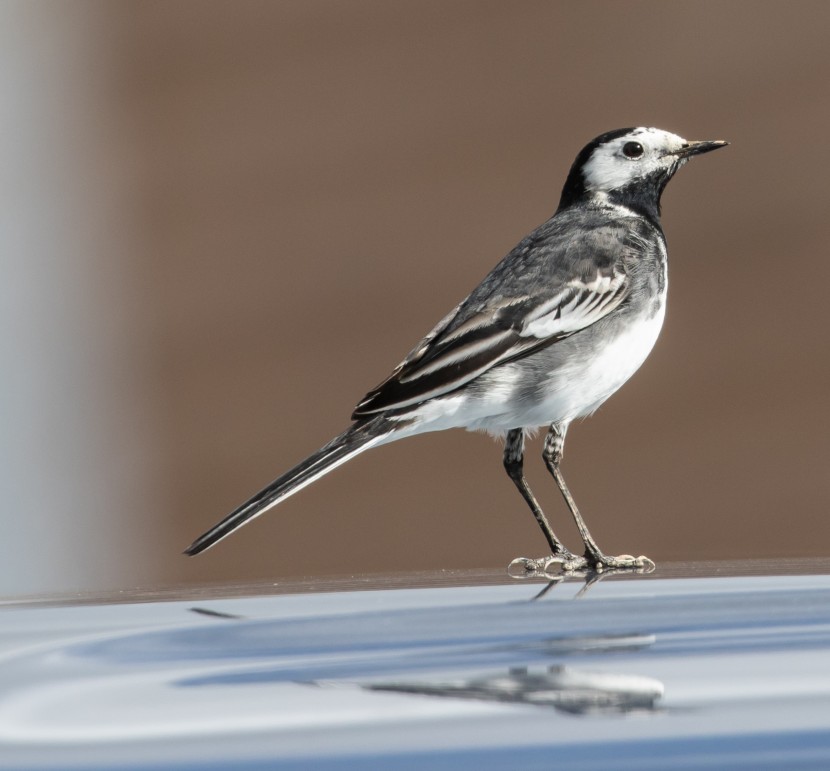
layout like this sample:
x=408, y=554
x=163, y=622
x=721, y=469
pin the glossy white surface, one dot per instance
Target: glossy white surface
x=695, y=673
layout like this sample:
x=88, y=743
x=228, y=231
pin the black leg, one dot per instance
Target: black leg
x=552, y=454
x=513, y=464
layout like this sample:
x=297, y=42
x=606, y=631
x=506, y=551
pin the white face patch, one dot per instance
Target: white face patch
x=609, y=169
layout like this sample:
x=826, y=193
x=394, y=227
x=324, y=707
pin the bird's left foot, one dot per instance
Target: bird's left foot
x=525, y=567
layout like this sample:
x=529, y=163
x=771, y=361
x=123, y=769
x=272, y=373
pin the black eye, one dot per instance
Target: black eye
x=632, y=150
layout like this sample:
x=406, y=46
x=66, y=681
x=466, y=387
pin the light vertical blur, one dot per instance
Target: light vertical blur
x=78, y=487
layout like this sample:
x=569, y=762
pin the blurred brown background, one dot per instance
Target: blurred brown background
x=228, y=220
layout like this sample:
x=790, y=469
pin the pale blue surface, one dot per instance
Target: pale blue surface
x=647, y=674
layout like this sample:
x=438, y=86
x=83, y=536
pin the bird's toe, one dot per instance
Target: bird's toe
x=641, y=564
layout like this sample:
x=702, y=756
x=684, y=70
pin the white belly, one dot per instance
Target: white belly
x=590, y=385
x=570, y=392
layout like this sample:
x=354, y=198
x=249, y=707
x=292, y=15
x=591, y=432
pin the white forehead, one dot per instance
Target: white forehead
x=609, y=169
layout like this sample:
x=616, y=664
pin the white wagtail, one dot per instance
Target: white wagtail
x=555, y=329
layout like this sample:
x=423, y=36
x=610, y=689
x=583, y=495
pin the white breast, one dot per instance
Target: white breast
x=612, y=366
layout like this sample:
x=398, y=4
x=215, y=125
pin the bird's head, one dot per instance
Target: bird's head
x=629, y=166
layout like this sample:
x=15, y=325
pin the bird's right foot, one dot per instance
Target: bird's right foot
x=624, y=562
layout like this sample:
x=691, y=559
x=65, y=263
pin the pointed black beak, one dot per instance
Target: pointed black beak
x=696, y=148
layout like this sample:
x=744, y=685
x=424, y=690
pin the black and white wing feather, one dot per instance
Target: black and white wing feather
x=543, y=291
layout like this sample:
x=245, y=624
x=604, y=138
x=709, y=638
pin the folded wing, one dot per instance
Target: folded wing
x=470, y=341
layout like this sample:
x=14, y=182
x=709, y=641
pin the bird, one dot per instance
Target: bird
x=560, y=323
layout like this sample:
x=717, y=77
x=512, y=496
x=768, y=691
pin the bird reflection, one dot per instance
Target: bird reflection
x=565, y=689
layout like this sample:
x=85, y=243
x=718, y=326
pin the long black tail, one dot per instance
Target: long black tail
x=361, y=436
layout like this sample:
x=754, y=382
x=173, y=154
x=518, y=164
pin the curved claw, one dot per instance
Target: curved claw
x=523, y=567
